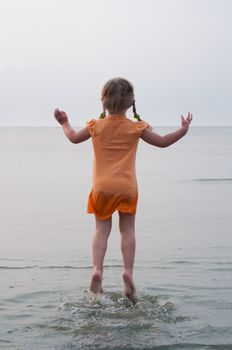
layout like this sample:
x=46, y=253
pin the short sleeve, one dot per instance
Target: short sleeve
x=91, y=126
x=141, y=126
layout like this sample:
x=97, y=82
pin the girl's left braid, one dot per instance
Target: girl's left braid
x=103, y=114
x=136, y=116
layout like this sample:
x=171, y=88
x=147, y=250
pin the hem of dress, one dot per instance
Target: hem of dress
x=108, y=216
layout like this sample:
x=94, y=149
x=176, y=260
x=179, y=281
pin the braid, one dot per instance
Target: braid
x=103, y=114
x=136, y=116
x=104, y=90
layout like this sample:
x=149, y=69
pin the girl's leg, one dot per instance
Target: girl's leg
x=99, y=245
x=128, y=244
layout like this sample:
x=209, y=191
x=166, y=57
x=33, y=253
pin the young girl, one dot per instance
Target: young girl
x=115, y=139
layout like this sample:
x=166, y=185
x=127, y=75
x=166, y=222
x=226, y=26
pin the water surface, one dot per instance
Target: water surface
x=183, y=269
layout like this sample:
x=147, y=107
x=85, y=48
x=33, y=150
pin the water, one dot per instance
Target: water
x=183, y=269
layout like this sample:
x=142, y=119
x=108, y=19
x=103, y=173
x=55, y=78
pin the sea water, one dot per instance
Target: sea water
x=183, y=267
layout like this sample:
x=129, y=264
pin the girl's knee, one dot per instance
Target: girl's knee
x=126, y=223
x=104, y=226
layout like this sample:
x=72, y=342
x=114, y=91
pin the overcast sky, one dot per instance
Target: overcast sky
x=59, y=53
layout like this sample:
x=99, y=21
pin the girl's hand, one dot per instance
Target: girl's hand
x=186, y=122
x=60, y=116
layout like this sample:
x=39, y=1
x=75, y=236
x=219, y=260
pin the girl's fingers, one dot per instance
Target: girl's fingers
x=57, y=112
x=190, y=117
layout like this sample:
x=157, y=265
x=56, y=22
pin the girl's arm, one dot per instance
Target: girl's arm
x=71, y=134
x=164, y=141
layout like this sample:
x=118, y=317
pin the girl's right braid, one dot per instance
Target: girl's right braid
x=103, y=114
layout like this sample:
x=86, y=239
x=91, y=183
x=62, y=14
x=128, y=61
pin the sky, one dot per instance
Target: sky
x=59, y=53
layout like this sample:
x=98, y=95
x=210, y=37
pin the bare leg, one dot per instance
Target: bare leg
x=128, y=244
x=99, y=245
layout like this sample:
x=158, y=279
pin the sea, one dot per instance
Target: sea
x=183, y=266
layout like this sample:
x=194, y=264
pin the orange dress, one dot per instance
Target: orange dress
x=115, y=140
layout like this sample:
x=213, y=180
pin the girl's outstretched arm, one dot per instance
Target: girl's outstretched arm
x=72, y=135
x=164, y=141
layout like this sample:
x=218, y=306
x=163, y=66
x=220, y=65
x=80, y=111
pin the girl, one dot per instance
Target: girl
x=115, y=139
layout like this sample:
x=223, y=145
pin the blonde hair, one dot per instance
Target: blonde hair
x=117, y=96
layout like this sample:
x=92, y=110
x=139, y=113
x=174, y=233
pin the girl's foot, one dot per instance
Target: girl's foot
x=96, y=283
x=129, y=287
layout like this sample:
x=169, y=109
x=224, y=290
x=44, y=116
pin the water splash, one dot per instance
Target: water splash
x=111, y=320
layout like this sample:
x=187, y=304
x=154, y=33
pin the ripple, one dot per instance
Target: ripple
x=66, y=267
x=214, y=179
x=172, y=346
x=17, y=267
x=58, y=267
x=3, y=341
x=219, y=269
x=186, y=262
x=21, y=298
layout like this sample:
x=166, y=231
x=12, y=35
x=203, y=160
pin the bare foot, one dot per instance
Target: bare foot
x=129, y=287
x=96, y=283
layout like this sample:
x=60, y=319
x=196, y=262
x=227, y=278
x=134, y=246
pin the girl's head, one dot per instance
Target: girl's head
x=118, y=96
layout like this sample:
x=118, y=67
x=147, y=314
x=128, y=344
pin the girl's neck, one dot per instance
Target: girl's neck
x=117, y=114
